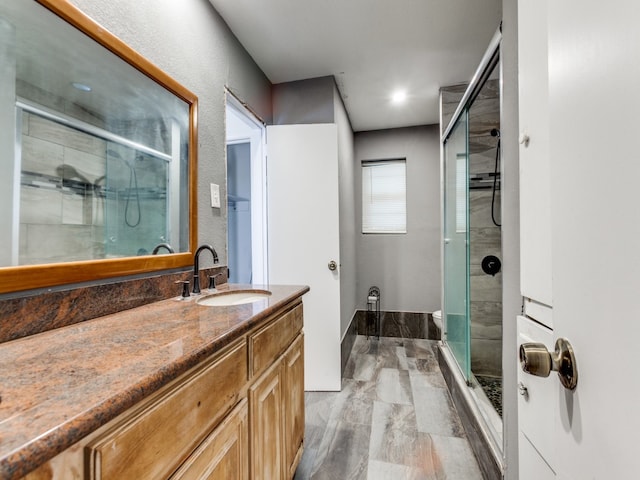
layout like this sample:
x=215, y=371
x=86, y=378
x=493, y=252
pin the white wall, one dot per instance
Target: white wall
x=405, y=267
x=191, y=43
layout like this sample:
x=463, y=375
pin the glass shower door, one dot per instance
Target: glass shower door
x=456, y=244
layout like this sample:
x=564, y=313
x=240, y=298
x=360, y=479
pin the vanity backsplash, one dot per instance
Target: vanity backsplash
x=42, y=311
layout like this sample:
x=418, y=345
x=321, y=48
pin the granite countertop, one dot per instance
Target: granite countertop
x=58, y=386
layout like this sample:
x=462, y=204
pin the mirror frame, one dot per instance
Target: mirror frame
x=28, y=277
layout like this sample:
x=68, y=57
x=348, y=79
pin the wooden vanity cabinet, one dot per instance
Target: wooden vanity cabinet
x=238, y=415
x=224, y=454
x=154, y=441
x=276, y=397
x=267, y=432
x=293, y=363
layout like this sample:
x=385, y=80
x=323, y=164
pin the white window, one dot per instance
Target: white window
x=384, y=196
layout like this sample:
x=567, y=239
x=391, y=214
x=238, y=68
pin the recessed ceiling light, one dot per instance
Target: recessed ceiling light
x=81, y=86
x=399, y=96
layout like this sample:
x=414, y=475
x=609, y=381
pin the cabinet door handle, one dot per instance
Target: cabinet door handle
x=522, y=390
x=536, y=360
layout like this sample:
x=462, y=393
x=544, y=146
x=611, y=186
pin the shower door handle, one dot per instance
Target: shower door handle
x=536, y=360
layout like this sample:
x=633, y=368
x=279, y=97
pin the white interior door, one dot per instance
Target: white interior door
x=302, y=184
x=594, y=71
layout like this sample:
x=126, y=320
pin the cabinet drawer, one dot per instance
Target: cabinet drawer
x=268, y=343
x=152, y=442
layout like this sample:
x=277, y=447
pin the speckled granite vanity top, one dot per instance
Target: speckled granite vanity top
x=56, y=387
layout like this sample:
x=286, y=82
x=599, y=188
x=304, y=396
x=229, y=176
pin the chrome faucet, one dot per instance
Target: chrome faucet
x=196, y=265
x=162, y=245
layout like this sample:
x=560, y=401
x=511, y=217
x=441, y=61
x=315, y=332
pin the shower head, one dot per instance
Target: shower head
x=116, y=154
x=495, y=132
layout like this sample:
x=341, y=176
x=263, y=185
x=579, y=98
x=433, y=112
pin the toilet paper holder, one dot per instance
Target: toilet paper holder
x=536, y=360
x=373, y=311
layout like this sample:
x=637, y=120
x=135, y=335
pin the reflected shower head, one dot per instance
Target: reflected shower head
x=113, y=153
x=116, y=154
x=495, y=132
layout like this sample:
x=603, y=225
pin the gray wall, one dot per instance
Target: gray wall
x=405, y=267
x=304, y=101
x=346, y=174
x=239, y=212
x=191, y=43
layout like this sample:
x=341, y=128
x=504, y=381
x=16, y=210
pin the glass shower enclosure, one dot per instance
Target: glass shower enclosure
x=456, y=239
x=471, y=225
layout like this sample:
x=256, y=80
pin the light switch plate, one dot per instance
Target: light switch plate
x=215, y=195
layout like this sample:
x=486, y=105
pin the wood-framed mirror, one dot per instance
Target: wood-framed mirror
x=98, y=153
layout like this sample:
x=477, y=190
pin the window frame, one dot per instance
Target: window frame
x=369, y=227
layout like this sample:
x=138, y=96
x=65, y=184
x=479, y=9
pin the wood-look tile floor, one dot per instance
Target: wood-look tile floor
x=393, y=419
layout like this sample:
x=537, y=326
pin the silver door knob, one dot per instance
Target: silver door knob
x=332, y=265
x=536, y=360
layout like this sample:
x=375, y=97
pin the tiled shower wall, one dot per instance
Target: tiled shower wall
x=486, y=290
x=71, y=223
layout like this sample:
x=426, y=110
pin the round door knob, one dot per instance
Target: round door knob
x=537, y=360
x=332, y=265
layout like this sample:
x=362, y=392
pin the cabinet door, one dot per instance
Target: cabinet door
x=537, y=412
x=224, y=453
x=267, y=439
x=535, y=166
x=294, y=404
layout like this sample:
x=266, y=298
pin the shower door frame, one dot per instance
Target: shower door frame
x=489, y=432
x=486, y=66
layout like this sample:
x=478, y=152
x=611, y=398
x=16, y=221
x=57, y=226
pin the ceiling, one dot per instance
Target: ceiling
x=371, y=47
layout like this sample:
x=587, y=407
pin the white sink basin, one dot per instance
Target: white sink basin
x=233, y=298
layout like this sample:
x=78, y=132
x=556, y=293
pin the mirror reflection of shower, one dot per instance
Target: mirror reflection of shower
x=136, y=189
x=132, y=190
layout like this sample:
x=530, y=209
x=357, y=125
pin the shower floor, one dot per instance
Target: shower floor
x=492, y=387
